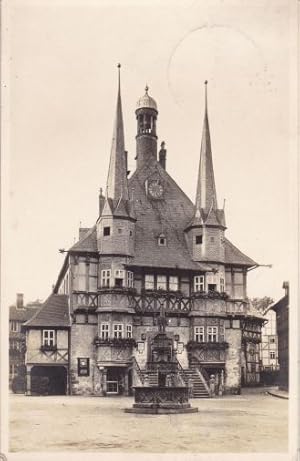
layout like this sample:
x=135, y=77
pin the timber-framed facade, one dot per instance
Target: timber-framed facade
x=151, y=250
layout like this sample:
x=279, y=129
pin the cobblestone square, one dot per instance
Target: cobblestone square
x=246, y=423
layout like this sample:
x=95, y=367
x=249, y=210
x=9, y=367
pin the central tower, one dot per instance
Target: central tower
x=146, y=138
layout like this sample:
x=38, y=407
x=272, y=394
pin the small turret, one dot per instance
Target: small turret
x=205, y=232
x=116, y=223
x=146, y=138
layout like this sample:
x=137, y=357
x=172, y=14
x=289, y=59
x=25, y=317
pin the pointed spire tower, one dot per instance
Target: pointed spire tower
x=117, y=213
x=206, y=196
x=208, y=220
x=117, y=173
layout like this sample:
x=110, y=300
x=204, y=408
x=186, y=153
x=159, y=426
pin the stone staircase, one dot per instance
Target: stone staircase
x=199, y=389
x=193, y=373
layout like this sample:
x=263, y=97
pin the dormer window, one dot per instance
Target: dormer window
x=162, y=241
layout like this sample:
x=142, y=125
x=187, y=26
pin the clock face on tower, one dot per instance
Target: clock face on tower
x=155, y=189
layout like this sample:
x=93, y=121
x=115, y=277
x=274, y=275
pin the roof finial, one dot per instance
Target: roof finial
x=146, y=88
x=119, y=77
x=205, y=83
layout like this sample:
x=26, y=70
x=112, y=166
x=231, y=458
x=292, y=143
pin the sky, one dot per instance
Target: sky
x=61, y=86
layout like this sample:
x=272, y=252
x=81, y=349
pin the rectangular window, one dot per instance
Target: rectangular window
x=173, y=283
x=129, y=331
x=13, y=326
x=199, y=239
x=48, y=337
x=118, y=330
x=106, y=231
x=199, y=283
x=272, y=340
x=105, y=278
x=149, y=282
x=119, y=277
x=212, y=334
x=272, y=355
x=83, y=365
x=161, y=282
x=199, y=334
x=130, y=279
x=162, y=241
x=104, y=331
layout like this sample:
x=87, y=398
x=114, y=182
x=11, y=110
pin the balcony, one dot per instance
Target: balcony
x=210, y=294
x=117, y=290
x=208, y=351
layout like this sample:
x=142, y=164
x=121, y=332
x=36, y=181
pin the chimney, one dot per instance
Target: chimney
x=163, y=155
x=286, y=287
x=20, y=300
x=101, y=201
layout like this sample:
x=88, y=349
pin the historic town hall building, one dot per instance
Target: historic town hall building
x=151, y=256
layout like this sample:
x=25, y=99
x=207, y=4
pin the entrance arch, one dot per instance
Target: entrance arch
x=49, y=380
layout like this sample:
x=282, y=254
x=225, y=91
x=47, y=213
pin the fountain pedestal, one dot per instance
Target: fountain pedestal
x=167, y=396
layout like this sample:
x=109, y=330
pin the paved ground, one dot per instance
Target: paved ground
x=247, y=423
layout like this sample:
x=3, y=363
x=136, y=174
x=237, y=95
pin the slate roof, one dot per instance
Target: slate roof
x=21, y=315
x=234, y=256
x=53, y=313
x=88, y=242
x=170, y=217
x=154, y=217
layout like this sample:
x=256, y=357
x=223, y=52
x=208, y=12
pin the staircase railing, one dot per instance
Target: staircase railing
x=181, y=372
x=138, y=369
x=203, y=380
x=202, y=373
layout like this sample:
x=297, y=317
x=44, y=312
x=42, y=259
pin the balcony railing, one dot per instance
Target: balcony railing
x=115, y=342
x=152, y=301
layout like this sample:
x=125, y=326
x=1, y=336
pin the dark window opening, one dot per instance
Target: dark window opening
x=212, y=239
x=199, y=239
x=212, y=287
x=118, y=282
x=106, y=231
x=162, y=241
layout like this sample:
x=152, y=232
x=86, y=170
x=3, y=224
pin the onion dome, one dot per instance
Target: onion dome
x=146, y=102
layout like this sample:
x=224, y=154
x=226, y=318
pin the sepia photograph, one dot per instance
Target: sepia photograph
x=149, y=230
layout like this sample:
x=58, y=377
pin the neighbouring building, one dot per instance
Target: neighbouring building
x=281, y=308
x=269, y=348
x=18, y=315
x=151, y=254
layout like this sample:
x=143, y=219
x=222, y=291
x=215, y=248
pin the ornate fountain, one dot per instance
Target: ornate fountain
x=171, y=395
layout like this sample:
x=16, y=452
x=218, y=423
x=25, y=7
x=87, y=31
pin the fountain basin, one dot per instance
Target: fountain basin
x=161, y=400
